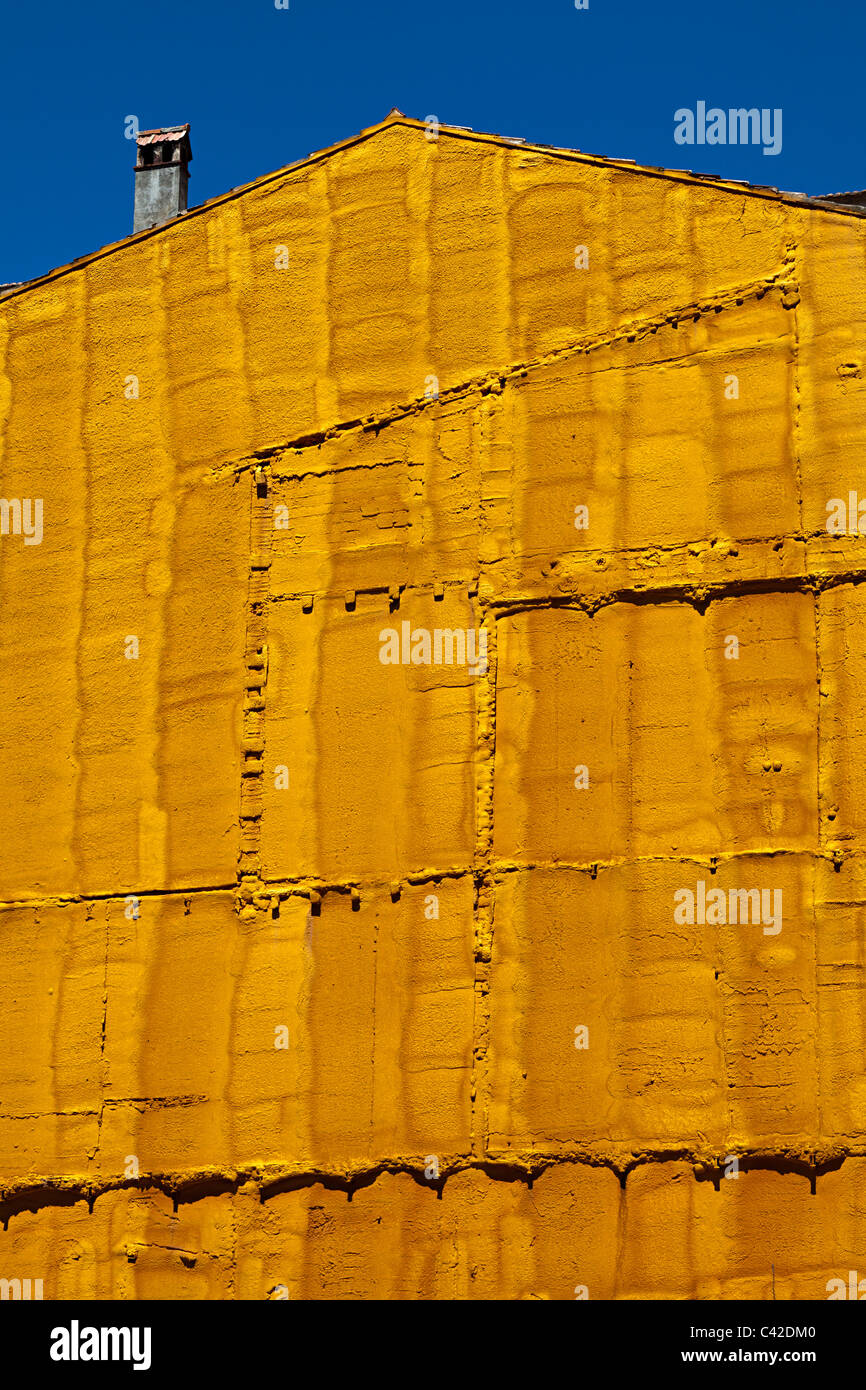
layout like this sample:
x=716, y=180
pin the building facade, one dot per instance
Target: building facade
x=432, y=842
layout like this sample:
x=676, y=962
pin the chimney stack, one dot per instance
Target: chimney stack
x=161, y=175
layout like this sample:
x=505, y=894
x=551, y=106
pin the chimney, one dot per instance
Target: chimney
x=161, y=175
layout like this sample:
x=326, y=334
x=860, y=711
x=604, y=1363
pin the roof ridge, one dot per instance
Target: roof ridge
x=824, y=203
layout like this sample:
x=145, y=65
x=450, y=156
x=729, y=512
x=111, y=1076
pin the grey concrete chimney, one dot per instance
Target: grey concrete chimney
x=161, y=175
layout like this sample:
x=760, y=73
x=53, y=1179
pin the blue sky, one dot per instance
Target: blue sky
x=263, y=87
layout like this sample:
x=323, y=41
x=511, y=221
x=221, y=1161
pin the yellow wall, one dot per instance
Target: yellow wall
x=412, y=1035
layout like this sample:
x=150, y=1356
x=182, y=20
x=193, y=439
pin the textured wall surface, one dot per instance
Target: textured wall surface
x=296, y=946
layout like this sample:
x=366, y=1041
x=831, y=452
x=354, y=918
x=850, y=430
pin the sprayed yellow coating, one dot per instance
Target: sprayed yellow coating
x=254, y=826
